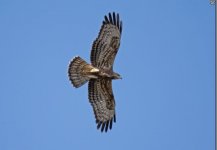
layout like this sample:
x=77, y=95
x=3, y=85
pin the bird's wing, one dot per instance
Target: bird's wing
x=105, y=47
x=102, y=100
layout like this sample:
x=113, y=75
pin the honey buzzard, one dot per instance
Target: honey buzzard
x=100, y=72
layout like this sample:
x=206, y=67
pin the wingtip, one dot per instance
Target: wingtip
x=110, y=18
x=105, y=126
x=106, y=19
x=99, y=125
x=113, y=18
x=110, y=125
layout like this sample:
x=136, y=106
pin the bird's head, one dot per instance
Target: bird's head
x=116, y=76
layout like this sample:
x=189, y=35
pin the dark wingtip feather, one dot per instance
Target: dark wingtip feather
x=118, y=22
x=113, y=18
x=110, y=125
x=114, y=118
x=121, y=26
x=110, y=18
x=106, y=19
x=103, y=126
x=107, y=124
x=99, y=124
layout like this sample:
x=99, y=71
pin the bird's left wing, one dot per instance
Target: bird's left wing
x=103, y=103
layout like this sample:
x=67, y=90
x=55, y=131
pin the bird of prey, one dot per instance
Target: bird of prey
x=100, y=72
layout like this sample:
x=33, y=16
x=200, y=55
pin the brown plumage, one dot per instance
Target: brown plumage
x=100, y=72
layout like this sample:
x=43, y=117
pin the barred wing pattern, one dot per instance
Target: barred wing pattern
x=104, y=50
x=103, y=103
x=105, y=47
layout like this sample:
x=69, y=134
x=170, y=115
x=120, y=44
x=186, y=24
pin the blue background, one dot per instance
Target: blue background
x=164, y=101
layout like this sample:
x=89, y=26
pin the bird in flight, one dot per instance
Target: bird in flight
x=99, y=74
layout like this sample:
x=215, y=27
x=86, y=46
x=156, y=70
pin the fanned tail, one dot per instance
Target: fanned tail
x=76, y=72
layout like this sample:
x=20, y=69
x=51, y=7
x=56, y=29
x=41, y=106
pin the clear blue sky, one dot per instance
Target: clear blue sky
x=164, y=102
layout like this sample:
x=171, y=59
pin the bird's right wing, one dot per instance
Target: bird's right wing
x=106, y=45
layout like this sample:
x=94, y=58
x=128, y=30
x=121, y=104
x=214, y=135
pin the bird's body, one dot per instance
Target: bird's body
x=100, y=72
